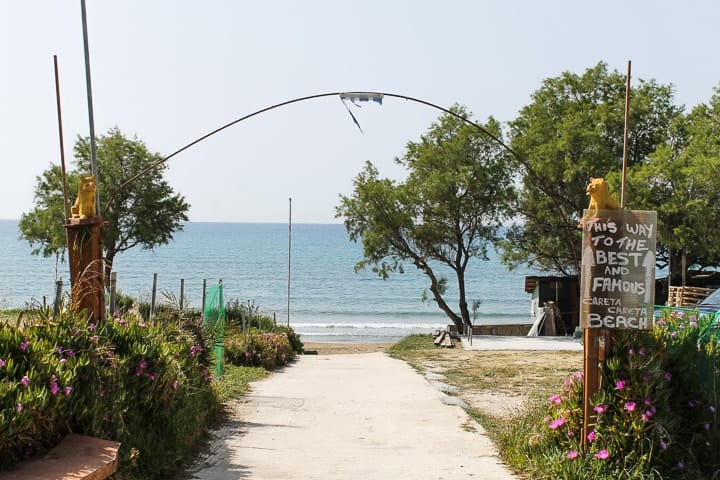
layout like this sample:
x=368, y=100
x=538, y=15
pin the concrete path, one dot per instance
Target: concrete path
x=360, y=416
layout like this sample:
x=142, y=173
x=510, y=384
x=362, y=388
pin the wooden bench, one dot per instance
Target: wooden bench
x=77, y=457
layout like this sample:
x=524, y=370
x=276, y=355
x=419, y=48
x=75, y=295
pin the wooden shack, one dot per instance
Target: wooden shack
x=564, y=291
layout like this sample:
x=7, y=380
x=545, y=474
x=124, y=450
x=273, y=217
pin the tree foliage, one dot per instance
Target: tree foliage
x=680, y=181
x=146, y=213
x=572, y=130
x=458, y=189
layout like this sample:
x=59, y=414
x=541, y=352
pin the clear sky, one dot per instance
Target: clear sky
x=169, y=71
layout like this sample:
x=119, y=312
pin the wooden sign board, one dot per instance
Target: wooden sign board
x=617, y=280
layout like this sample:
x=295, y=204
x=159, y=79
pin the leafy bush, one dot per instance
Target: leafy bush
x=656, y=412
x=295, y=343
x=237, y=311
x=266, y=349
x=122, y=379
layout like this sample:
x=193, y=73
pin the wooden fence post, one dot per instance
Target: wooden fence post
x=113, y=291
x=152, y=299
x=182, y=293
x=58, y=295
x=203, y=297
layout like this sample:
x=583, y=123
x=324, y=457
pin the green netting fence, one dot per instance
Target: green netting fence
x=214, y=321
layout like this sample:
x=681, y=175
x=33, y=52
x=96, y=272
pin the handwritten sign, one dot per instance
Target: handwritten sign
x=617, y=281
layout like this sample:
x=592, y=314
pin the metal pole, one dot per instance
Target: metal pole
x=625, y=135
x=62, y=144
x=289, y=250
x=91, y=117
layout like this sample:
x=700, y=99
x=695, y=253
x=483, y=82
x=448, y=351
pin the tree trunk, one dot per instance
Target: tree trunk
x=675, y=272
x=464, y=312
x=425, y=268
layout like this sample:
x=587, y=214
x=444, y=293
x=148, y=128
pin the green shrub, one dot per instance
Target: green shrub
x=656, y=410
x=237, y=311
x=295, y=343
x=145, y=386
x=263, y=349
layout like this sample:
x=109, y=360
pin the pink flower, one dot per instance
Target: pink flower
x=620, y=384
x=91, y=327
x=630, y=406
x=94, y=339
x=175, y=384
x=557, y=423
x=68, y=390
x=63, y=361
x=54, y=389
x=572, y=454
x=600, y=408
x=556, y=399
x=602, y=455
x=19, y=407
x=591, y=436
x=24, y=345
x=2, y=364
x=25, y=380
x=642, y=351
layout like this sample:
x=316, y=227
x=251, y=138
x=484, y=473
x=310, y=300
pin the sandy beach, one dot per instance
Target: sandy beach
x=339, y=348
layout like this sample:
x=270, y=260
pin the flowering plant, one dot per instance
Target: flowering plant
x=267, y=349
x=142, y=385
x=656, y=410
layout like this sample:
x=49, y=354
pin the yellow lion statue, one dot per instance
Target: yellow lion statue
x=84, y=206
x=600, y=199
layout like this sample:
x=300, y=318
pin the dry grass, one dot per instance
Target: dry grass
x=496, y=383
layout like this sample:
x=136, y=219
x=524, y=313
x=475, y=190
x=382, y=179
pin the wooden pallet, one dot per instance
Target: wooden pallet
x=687, y=296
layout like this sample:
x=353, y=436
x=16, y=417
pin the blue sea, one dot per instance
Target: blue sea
x=329, y=301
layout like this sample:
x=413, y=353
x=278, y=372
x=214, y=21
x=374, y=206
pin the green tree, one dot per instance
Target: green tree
x=571, y=131
x=458, y=189
x=681, y=183
x=146, y=213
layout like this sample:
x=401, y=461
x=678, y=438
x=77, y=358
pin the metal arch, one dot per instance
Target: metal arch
x=342, y=95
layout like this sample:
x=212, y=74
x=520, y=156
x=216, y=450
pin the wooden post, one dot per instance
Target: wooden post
x=203, y=297
x=154, y=294
x=182, y=292
x=58, y=295
x=86, y=265
x=113, y=291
